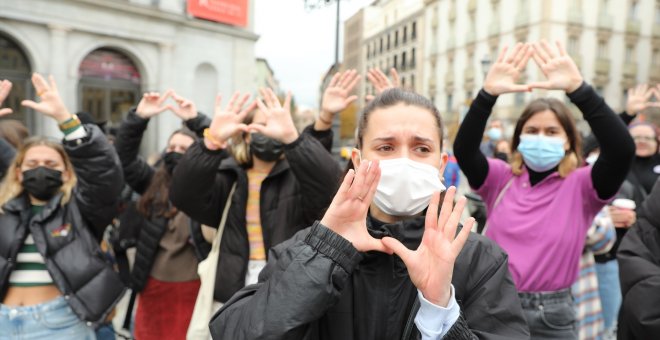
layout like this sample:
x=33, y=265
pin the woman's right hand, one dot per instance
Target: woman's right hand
x=51, y=103
x=347, y=214
x=5, y=88
x=380, y=81
x=639, y=99
x=228, y=121
x=505, y=72
x=151, y=104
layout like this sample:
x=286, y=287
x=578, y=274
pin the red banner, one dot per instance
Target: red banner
x=232, y=12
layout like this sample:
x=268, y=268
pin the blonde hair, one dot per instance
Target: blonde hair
x=240, y=149
x=566, y=165
x=11, y=187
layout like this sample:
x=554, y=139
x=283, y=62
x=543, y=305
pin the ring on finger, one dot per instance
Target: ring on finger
x=41, y=93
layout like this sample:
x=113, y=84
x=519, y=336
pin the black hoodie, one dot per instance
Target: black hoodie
x=639, y=272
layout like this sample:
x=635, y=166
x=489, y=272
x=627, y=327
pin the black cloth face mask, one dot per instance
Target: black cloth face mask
x=171, y=159
x=265, y=148
x=42, y=183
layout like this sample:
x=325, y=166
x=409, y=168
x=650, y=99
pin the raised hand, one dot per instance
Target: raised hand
x=279, y=123
x=557, y=66
x=184, y=109
x=347, y=214
x=380, y=81
x=228, y=121
x=5, y=88
x=50, y=104
x=431, y=266
x=638, y=99
x=503, y=75
x=336, y=96
x=152, y=104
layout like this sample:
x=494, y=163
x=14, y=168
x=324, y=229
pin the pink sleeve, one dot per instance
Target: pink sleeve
x=499, y=174
x=590, y=200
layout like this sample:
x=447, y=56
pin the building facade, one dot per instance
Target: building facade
x=104, y=54
x=616, y=44
x=385, y=34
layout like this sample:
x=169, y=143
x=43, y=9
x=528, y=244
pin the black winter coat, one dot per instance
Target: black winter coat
x=639, y=273
x=317, y=286
x=294, y=194
x=73, y=258
x=138, y=176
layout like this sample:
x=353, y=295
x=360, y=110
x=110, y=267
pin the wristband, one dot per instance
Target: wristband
x=210, y=138
x=70, y=124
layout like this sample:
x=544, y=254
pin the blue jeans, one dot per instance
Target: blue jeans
x=609, y=289
x=550, y=315
x=52, y=320
x=105, y=332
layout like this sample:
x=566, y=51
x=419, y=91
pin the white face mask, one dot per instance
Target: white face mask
x=406, y=186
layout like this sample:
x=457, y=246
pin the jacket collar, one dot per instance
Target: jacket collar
x=231, y=165
x=407, y=231
x=21, y=204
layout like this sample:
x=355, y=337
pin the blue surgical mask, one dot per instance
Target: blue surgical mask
x=494, y=134
x=541, y=153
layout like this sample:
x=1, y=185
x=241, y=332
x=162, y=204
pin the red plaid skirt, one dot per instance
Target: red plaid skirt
x=164, y=309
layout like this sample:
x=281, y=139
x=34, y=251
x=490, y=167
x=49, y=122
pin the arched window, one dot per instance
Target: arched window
x=205, y=88
x=15, y=67
x=109, y=85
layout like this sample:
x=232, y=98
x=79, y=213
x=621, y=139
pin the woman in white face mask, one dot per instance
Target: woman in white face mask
x=541, y=205
x=339, y=280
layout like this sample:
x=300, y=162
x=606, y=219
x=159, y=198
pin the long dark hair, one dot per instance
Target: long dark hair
x=573, y=156
x=156, y=200
x=389, y=98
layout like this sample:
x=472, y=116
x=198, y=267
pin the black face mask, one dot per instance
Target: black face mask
x=42, y=182
x=171, y=159
x=265, y=148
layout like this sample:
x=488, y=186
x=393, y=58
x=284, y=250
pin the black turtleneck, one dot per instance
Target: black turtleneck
x=616, y=146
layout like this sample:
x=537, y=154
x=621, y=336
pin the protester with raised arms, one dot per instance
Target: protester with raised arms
x=542, y=204
x=338, y=279
x=57, y=199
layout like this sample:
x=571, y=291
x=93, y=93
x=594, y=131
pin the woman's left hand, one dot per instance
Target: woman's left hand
x=431, y=266
x=279, y=123
x=185, y=108
x=558, y=67
x=51, y=104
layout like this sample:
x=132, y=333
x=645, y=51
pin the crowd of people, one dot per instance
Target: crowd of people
x=247, y=228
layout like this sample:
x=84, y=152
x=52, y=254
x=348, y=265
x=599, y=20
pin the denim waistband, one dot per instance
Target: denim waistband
x=536, y=299
x=51, y=305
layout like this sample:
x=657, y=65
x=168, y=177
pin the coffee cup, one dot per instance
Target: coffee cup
x=624, y=203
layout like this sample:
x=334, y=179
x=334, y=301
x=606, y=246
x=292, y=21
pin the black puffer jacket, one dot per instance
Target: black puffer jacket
x=74, y=258
x=317, y=286
x=639, y=273
x=138, y=176
x=295, y=193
